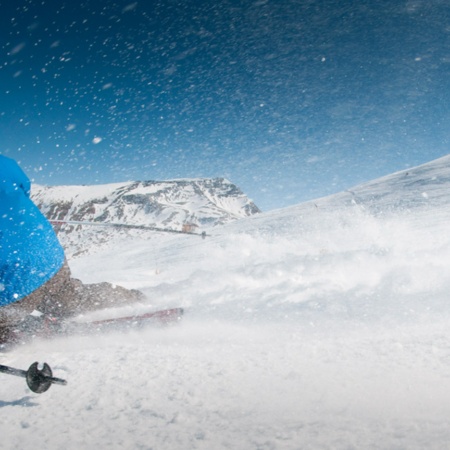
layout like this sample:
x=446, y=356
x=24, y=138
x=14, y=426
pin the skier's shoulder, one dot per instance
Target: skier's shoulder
x=9, y=165
x=13, y=175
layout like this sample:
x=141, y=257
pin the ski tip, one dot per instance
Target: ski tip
x=170, y=315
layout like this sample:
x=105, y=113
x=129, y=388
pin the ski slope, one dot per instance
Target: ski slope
x=321, y=326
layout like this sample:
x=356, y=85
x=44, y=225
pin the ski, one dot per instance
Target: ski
x=162, y=317
x=48, y=327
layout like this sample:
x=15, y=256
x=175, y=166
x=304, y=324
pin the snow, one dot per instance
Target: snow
x=321, y=326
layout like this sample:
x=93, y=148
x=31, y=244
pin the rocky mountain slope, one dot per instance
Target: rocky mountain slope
x=190, y=205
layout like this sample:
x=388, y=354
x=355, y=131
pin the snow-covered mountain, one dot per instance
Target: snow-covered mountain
x=407, y=190
x=420, y=194
x=198, y=204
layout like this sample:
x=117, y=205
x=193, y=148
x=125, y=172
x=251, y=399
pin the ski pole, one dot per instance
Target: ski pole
x=38, y=380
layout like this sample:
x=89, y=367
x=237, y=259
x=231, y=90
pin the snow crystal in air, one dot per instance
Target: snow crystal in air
x=129, y=7
x=18, y=48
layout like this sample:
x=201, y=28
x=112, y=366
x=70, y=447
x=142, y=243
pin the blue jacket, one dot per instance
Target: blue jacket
x=30, y=253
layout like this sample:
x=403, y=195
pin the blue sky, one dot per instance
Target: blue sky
x=289, y=99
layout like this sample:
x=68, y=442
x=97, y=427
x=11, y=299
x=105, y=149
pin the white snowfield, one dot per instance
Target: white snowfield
x=321, y=326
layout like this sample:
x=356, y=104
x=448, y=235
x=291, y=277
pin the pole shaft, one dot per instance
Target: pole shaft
x=23, y=374
x=12, y=371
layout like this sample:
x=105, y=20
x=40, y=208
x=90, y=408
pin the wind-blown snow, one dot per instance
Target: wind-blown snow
x=321, y=326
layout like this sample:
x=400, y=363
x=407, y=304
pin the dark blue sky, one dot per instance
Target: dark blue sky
x=289, y=99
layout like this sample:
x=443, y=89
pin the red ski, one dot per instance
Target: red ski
x=163, y=317
x=48, y=327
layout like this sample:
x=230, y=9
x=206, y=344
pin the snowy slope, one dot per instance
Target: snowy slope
x=321, y=326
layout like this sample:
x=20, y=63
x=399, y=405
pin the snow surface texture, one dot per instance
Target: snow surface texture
x=321, y=326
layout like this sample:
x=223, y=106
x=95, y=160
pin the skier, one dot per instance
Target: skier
x=34, y=274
